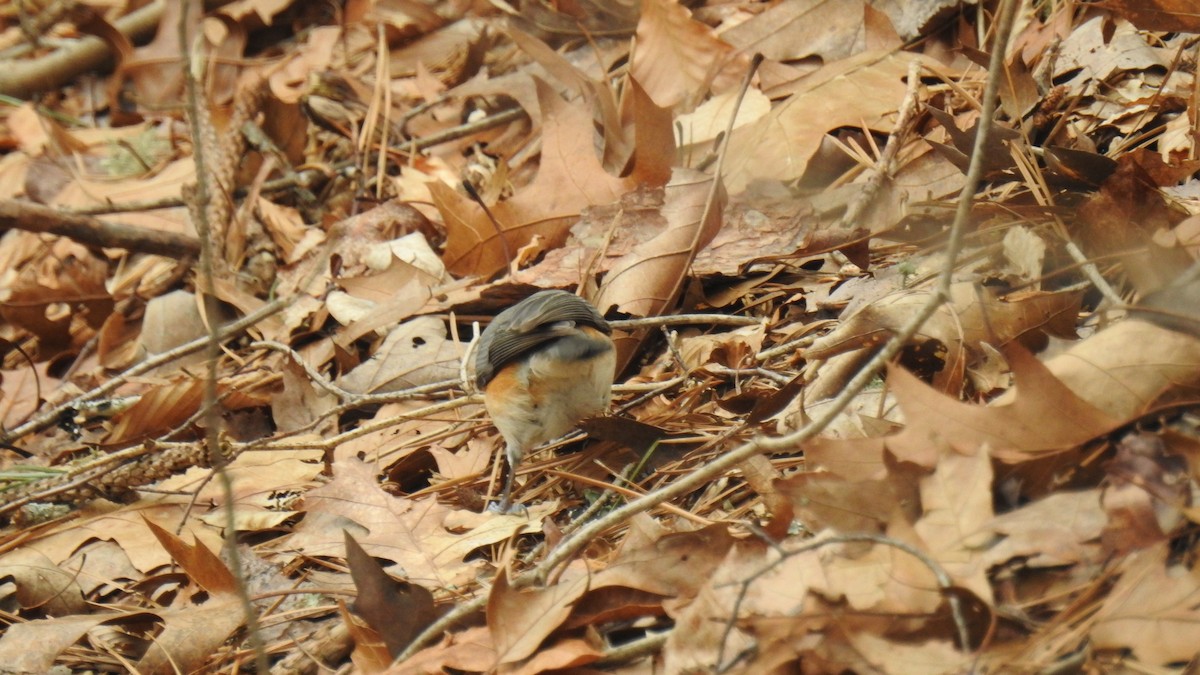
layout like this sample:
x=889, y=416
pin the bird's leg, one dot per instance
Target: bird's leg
x=505, y=506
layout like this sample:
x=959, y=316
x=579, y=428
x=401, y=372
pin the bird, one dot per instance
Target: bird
x=543, y=365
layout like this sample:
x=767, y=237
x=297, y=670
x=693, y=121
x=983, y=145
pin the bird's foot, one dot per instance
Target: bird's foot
x=508, y=508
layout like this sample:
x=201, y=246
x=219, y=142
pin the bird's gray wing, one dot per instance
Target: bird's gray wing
x=522, y=328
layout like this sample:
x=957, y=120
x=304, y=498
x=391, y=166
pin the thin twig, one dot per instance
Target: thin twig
x=21, y=77
x=788, y=347
x=1089, y=270
x=362, y=430
x=463, y=130
x=92, y=231
x=303, y=178
x=885, y=166
x=649, y=644
x=686, y=320
x=352, y=399
x=213, y=421
x=777, y=378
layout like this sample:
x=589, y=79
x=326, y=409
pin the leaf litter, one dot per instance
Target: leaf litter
x=1014, y=493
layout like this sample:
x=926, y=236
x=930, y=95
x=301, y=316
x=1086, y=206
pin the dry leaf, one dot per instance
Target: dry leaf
x=1044, y=417
x=1154, y=610
x=1060, y=529
x=570, y=178
x=865, y=90
x=430, y=542
x=397, y=610
x=520, y=620
x=416, y=352
x=648, y=280
x=677, y=57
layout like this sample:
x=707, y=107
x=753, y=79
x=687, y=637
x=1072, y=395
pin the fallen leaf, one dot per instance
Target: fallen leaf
x=677, y=57
x=41, y=583
x=53, y=636
x=570, y=178
x=1045, y=417
x=520, y=620
x=370, y=654
x=470, y=651
x=830, y=30
x=191, y=634
x=1153, y=610
x=571, y=654
x=1095, y=49
x=127, y=527
x=879, y=654
x=647, y=281
x=430, y=542
x=957, y=500
x=397, y=610
x=1161, y=15
x=825, y=500
x=414, y=353
x=159, y=409
x=705, y=626
x=1059, y=529
x=862, y=91
x=674, y=565
x=200, y=564
x=1124, y=382
x=711, y=119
